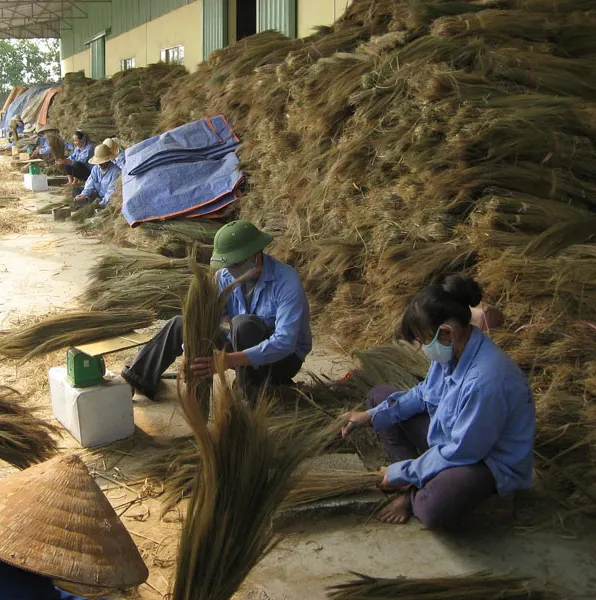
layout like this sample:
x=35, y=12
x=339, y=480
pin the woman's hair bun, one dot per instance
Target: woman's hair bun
x=463, y=289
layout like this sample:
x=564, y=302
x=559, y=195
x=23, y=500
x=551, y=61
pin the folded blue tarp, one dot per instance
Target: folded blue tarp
x=190, y=171
x=180, y=189
x=207, y=139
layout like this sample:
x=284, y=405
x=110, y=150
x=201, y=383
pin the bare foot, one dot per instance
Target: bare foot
x=398, y=512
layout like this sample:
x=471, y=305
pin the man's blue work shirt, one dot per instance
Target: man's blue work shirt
x=120, y=160
x=280, y=300
x=480, y=411
x=83, y=155
x=102, y=184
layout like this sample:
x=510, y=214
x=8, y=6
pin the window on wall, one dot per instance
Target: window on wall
x=127, y=63
x=174, y=55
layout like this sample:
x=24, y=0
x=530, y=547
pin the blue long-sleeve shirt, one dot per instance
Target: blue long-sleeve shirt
x=83, y=155
x=480, y=411
x=120, y=160
x=17, y=584
x=279, y=299
x=102, y=184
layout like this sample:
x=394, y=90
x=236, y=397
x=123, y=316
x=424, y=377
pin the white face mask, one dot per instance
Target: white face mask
x=436, y=351
x=237, y=271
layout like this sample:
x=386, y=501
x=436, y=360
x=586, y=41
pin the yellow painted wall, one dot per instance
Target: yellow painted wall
x=340, y=7
x=312, y=13
x=77, y=62
x=132, y=44
x=181, y=27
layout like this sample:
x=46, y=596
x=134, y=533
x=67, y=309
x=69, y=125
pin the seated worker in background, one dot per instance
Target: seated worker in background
x=463, y=434
x=101, y=184
x=76, y=166
x=16, y=127
x=48, y=143
x=269, y=335
x=116, y=148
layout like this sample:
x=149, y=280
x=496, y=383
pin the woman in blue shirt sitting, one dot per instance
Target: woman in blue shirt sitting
x=76, y=166
x=466, y=432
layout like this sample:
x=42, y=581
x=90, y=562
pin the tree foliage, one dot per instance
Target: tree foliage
x=28, y=62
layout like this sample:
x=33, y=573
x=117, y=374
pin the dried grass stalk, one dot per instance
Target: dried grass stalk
x=483, y=586
x=70, y=329
x=316, y=486
x=24, y=439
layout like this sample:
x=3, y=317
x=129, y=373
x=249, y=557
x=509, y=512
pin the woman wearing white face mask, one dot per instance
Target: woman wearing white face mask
x=463, y=434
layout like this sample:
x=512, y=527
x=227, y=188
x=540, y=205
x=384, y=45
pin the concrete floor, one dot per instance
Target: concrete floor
x=45, y=269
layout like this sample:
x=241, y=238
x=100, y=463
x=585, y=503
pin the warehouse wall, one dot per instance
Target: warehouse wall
x=77, y=62
x=181, y=27
x=312, y=13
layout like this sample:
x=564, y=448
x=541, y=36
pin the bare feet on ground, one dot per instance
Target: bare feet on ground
x=398, y=512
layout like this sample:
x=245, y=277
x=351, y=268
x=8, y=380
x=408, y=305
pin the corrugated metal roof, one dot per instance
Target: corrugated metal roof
x=40, y=18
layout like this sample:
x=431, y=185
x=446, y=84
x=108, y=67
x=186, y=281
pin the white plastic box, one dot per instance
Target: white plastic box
x=36, y=183
x=93, y=415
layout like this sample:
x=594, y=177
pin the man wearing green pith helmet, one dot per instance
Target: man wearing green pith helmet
x=269, y=335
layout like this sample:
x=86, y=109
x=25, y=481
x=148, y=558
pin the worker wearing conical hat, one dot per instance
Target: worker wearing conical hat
x=269, y=335
x=58, y=529
x=101, y=184
x=116, y=147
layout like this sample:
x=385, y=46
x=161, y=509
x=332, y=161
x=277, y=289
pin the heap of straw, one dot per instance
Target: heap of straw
x=70, y=329
x=24, y=439
x=412, y=140
x=483, y=586
x=122, y=262
x=159, y=290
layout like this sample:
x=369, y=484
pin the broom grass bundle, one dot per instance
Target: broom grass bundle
x=47, y=209
x=70, y=329
x=315, y=486
x=24, y=439
x=83, y=213
x=56, y=144
x=189, y=231
x=121, y=262
x=246, y=473
x=158, y=290
x=483, y=586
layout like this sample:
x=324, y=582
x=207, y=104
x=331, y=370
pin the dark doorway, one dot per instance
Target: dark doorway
x=246, y=18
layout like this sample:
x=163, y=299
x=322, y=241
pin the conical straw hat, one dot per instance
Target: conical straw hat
x=55, y=521
x=101, y=155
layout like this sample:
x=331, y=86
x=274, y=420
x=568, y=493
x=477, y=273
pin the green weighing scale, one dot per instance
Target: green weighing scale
x=85, y=364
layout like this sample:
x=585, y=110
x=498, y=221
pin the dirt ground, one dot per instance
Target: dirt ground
x=42, y=269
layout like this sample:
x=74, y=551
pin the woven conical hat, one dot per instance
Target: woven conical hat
x=55, y=521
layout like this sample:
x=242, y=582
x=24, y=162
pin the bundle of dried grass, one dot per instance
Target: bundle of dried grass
x=483, y=586
x=56, y=144
x=24, y=439
x=313, y=487
x=246, y=473
x=202, y=313
x=121, y=262
x=70, y=329
x=158, y=290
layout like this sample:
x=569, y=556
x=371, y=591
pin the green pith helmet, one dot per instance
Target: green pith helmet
x=237, y=241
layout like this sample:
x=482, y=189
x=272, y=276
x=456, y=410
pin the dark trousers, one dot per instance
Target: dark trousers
x=78, y=170
x=446, y=499
x=246, y=331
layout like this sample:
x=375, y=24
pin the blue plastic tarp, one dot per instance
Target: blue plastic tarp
x=180, y=189
x=207, y=139
x=21, y=102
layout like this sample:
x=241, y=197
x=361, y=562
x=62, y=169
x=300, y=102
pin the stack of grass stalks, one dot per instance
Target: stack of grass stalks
x=411, y=140
x=483, y=586
x=70, y=329
x=136, y=101
x=24, y=439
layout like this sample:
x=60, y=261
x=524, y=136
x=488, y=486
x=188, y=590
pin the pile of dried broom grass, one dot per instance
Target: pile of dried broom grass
x=70, y=329
x=411, y=140
x=24, y=439
x=483, y=586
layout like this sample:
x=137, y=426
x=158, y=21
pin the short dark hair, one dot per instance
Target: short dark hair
x=80, y=134
x=439, y=303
